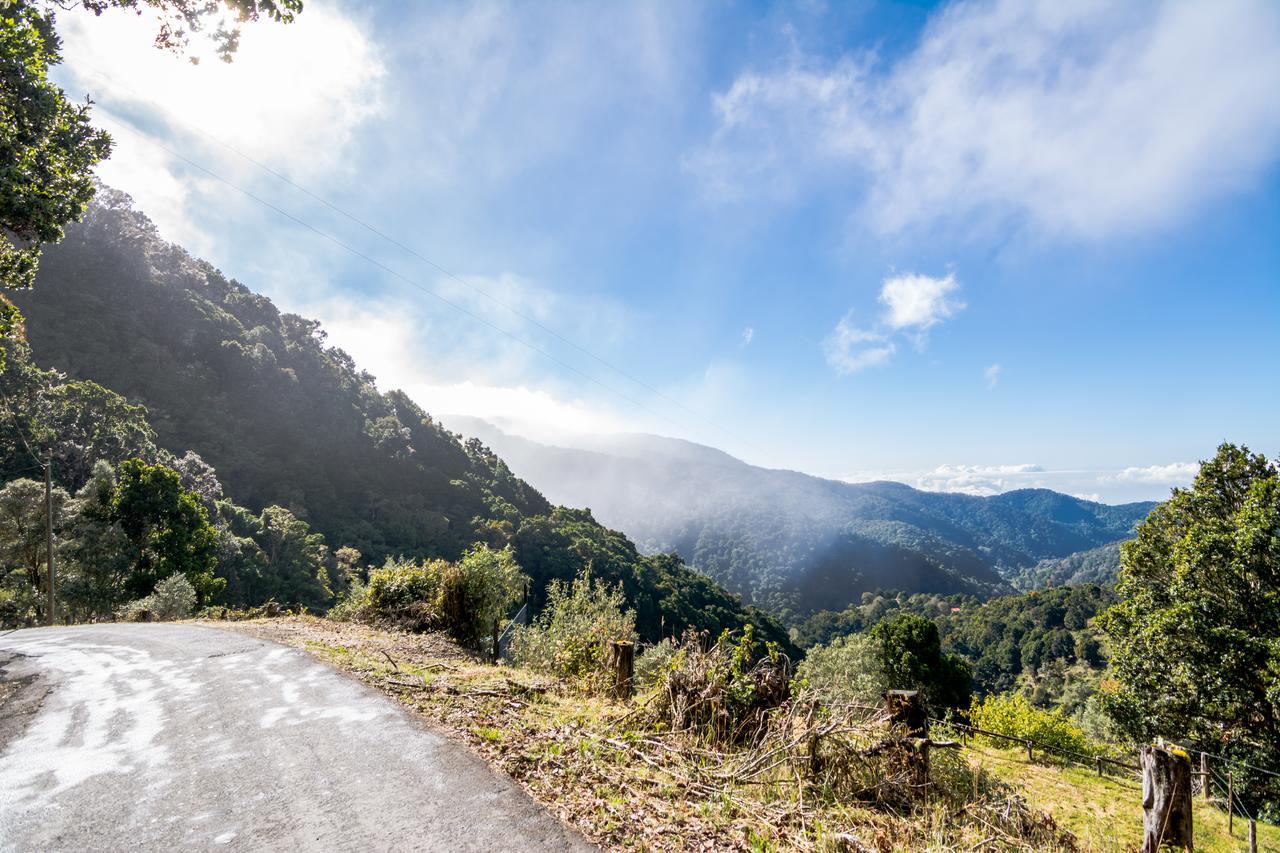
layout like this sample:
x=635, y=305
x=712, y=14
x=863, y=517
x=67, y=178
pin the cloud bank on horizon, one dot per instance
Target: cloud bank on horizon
x=825, y=238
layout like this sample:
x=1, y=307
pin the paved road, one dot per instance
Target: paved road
x=167, y=737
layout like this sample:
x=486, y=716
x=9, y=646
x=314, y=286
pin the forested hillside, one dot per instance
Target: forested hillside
x=1097, y=565
x=796, y=543
x=290, y=424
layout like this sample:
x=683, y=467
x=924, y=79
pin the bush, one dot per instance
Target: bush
x=724, y=694
x=478, y=591
x=652, y=663
x=404, y=593
x=567, y=639
x=848, y=670
x=173, y=598
x=352, y=605
x=911, y=658
x=1013, y=715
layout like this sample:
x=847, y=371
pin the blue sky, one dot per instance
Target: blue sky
x=975, y=246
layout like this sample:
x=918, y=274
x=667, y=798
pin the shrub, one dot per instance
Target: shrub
x=847, y=670
x=352, y=605
x=173, y=598
x=1013, y=715
x=652, y=663
x=568, y=637
x=478, y=591
x=723, y=694
x=404, y=593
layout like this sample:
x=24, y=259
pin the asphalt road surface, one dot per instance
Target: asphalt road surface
x=180, y=737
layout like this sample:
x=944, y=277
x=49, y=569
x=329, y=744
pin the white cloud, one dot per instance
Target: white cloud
x=1083, y=119
x=918, y=301
x=850, y=349
x=992, y=375
x=980, y=479
x=1173, y=474
x=748, y=335
x=913, y=304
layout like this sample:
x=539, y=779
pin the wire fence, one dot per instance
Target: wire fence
x=1225, y=785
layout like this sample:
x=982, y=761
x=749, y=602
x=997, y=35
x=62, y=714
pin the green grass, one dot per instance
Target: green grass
x=1105, y=812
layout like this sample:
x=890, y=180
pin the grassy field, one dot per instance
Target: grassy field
x=1105, y=813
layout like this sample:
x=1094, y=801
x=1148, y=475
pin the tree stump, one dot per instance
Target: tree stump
x=273, y=609
x=1166, y=799
x=620, y=659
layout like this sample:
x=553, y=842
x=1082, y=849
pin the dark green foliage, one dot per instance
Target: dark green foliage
x=1195, y=637
x=24, y=549
x=166, y=528
x=911, y=658
x=47, y=146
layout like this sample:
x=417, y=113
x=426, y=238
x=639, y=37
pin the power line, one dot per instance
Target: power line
x=411, y=251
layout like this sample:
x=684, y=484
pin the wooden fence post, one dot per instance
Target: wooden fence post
x=1231, y=804
x=621, y=661
x=1204, y=775
x=1253, y=836
x=1166, y=799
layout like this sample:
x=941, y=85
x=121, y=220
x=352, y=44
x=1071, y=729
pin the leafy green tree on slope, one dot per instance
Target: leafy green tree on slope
x=1195, y=637
x=167, y=530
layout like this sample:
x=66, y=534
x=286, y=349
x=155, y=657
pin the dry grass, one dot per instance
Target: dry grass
x=627, y=787
x=1105, y=812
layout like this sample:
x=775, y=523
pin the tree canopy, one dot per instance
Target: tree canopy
x=1195, y=636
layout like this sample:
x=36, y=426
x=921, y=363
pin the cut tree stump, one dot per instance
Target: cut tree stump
x=1166, y=799
x=620, y=659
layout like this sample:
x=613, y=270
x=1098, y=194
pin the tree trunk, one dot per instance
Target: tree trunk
x=1166, y=799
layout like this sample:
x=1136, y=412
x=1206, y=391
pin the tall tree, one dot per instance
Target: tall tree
x=167, y=529
x=1195, y=637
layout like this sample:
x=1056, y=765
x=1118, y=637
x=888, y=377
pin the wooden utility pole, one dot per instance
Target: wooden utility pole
x=1166, y=799
x=51, y=605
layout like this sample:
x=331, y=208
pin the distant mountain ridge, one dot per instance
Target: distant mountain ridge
x=794, y=542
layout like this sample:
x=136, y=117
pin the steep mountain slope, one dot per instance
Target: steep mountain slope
x=287, y=420
x=795, y=542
